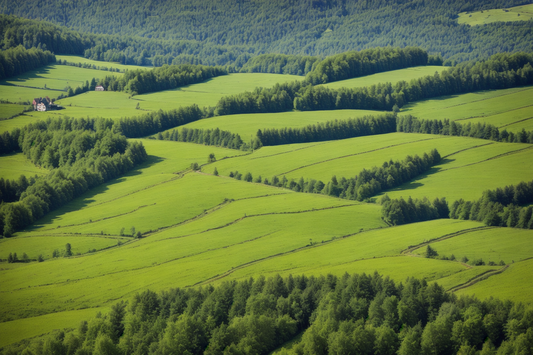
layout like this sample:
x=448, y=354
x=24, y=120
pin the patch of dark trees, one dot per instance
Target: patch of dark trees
x=18, y=60
x=81, y=153
x=215, y=137
x=366, y=62
x=280, y=64
x=399, y=211
x=410, y=124
x=504, y=207
x=330, y=130
x=167, y=77
x=361, y=187
x=351, y=314
x=499, y=72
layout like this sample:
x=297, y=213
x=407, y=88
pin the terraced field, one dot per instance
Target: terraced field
x=509, y=109
x=200, y=229
x=517, y=13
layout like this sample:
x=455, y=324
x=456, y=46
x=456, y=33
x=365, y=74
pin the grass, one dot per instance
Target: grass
x=517, y=13
x=508, y=109
x=96, y=63
x=247, y=125
x=392, y=77
x=15, y=164
x=495, y=244
x=20, y=329
x=515, y=283
x=9, y=110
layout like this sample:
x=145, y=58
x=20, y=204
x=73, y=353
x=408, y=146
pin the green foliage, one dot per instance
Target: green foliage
x=17, y=60
x=215, y=137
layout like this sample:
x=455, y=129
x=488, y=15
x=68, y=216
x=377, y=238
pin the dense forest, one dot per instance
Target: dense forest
x=18, y=60
x=215, y=137
x=211, y=32
x=506, y=207
x=351, y=314
x=81, y=154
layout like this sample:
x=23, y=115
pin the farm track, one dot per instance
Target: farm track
x=494, y=114
x=352, y=155
x=510, y=124
x=492, y=158
x=464, y=150
x=488, y=98
x=478, y=278
x=289, y=151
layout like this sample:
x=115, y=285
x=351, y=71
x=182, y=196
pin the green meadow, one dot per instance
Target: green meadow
x=247, y=125
x=508, y=108
x=200, y=229
x=96, y=63
x=517, y=13
x=15, y=164
x=9, y=110
x=392, y=77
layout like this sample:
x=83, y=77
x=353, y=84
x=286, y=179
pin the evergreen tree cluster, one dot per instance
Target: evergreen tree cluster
x=330, y=130
x=364, y=185
x=366, y=62
x=167, y=77
x=351, y=314
x=499, y=72
x=505, y=207
x=214, y=137
x=81, y=154
x=410, y=124
x=9, y=141
x=11, y=190
x=157, y=121
x=18, y=60
x=280, y=64
x=229, y=33
x=398, y=211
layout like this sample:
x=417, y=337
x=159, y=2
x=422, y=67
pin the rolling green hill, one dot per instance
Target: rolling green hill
x=200, y=229
x=517, y=13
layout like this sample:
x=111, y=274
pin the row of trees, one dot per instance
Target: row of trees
x=167, y=77
x=398, y=211
x=351, y=314
x=280, y=64
x=505, y=207
x=11, y=190
x=214, y=137
x=410, y=124
x=364, y=185
x=499, y=72
x=81, y=153
x=369, y=61
x=330, y=130
x=18, y=60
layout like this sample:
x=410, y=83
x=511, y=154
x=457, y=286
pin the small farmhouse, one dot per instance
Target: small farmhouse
x=99, y=88
x=44, y=104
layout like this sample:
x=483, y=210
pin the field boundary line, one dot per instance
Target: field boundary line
x=492, y=158
x=289, y=151
x=510, y=124
x=355, y=154
x=483, y=276
x=464, y=150
x=494, y=114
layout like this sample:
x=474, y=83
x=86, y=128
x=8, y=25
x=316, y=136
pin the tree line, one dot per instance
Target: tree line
x=364, y=185
x=18, y=60
x=410, y=124
x=167, y=77
x=214, y=137
x=500, y=71
x=350, y=314
x=330, y=130
x=280, y=64
x=366, y=62
x=11, y=190
x=504, y=207
x=398, y=211
x=81, y=154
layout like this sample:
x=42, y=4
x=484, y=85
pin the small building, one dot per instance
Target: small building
x=44, y=104
x=99, y=88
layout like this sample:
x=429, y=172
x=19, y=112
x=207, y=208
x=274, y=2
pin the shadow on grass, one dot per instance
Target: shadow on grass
x=89, y=197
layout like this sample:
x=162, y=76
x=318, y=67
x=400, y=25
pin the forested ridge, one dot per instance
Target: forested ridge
x=81, y=154
x=351, y=314
x=231, y=32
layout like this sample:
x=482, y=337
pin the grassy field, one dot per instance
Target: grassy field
x=246, y=125
x=518, y=13
x=392, y=77
x=15, y=164
x=96, y=63
x=509, y=108
x=10, y=110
